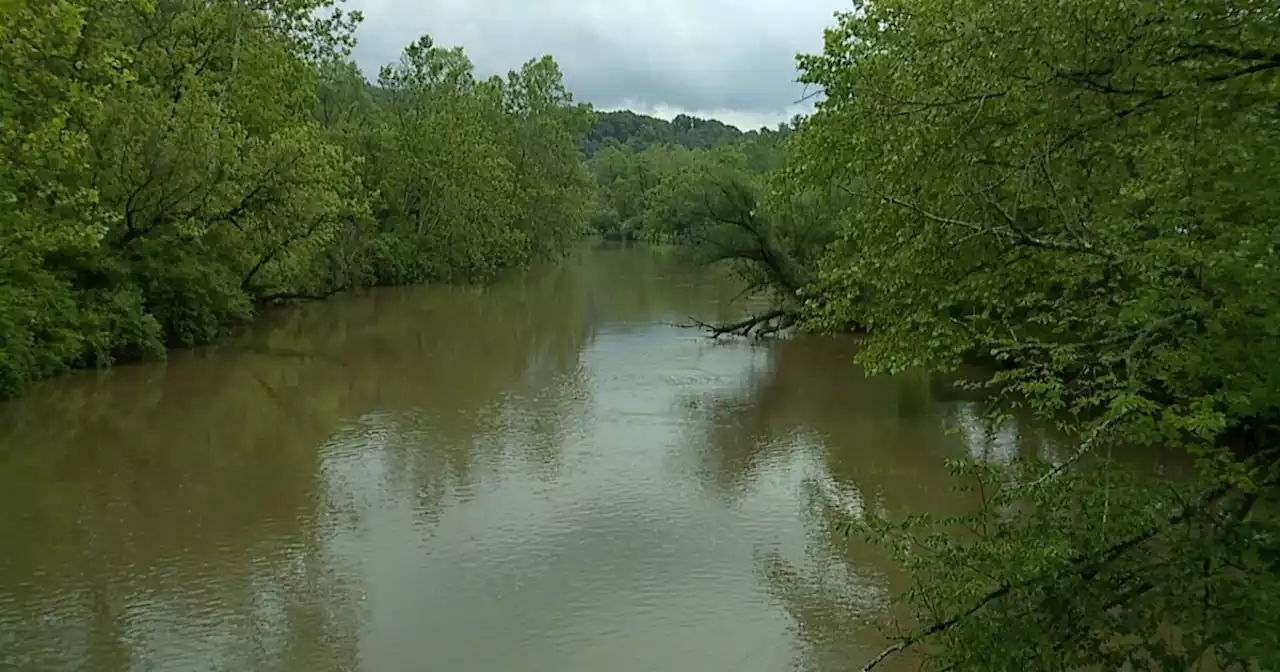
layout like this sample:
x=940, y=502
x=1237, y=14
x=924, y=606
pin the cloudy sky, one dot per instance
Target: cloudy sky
x=729, y=59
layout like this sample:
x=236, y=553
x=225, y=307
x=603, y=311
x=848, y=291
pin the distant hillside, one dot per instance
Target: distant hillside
x=639, y=131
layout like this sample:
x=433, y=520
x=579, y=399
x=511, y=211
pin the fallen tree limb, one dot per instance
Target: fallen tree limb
x=760, y=325
x=295, y=296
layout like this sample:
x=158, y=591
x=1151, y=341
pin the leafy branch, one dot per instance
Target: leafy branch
x=1084, y=566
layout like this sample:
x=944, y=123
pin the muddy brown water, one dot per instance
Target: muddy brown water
x=547, y=474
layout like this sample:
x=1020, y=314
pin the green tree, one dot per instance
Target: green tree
x=629, y=130
x=624, y=179
x=1078, y=192
x=474, y=175
x=553, y=186
x=447, y=184
x=223, y=185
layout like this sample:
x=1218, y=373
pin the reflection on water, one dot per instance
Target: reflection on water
x=540, y=475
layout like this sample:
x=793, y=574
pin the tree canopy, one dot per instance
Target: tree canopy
x=169, y=167
x=1076, y=193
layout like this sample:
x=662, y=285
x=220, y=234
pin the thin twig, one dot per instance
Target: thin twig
x=1006, y=232
x=1085, y=447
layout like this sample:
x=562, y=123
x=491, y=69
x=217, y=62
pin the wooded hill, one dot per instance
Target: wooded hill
x=639, y=131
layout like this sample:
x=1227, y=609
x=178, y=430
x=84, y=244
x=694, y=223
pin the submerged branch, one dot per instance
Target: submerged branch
x=763, y=324
x=296, y=296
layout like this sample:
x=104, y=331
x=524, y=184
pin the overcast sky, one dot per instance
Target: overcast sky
x=731, y=60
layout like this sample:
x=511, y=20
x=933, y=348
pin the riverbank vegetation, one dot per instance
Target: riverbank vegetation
x=170, y=167
x=1080, y=192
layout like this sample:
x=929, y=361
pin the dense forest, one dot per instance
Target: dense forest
x=1076, y=194
x=171, y=167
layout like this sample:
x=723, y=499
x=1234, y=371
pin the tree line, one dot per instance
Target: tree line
x=170, y=167
x=624, y=128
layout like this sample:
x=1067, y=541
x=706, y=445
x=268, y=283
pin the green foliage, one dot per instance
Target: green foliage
x=1075, y=193
x=169, y=167
x=625, y=180
x=49, y=209
x=1091, y=568
x=475, y=176
x=773, y=236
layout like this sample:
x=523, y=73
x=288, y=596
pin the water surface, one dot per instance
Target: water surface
x=548, y=474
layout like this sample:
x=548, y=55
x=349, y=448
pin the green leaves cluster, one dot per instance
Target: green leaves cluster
x=1089, y=569
x=171, y=165
x=629, y=183
x=1076, y=194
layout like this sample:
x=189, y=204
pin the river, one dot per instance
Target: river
x=547, y=474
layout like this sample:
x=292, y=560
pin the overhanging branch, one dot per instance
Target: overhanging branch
x=1085, y=566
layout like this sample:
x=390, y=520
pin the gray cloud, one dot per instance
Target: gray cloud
x=720, y=58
